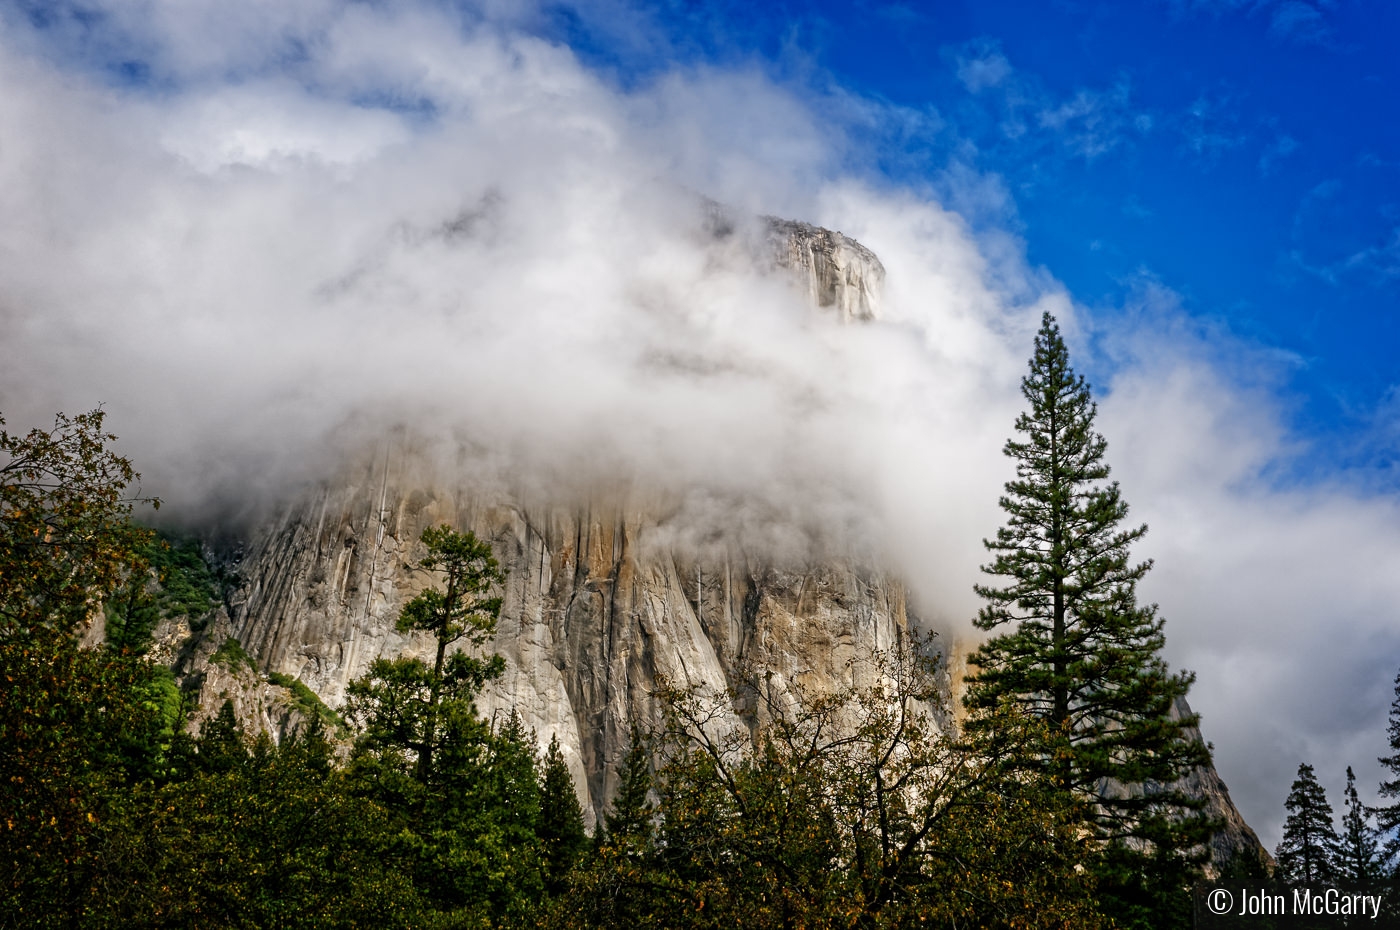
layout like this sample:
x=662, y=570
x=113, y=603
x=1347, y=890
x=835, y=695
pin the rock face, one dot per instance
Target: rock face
x=592, y=612
x=1235, y=839
x=597, y=602
x=837, y=272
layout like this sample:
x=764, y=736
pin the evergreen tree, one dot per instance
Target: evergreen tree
x=629, y=821
x=1079, y=652
x=132, y=614
x=515, y=778
x=274, y=842
x=619, y=884
x=424, y=752
x=561, y=819
x=411, y=712
x=221, y=746
x=496, y=809
x=1388, y=816
x=1307, y=854
x=1358, y=856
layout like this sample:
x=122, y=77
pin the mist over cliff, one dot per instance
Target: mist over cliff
x=315, y=226
x=530, y=277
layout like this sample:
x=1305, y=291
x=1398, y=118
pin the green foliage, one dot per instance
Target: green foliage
x=1358, y=849
x=221, y=746
x=232, y=656
x=1307, y=854
x=131, y=614
x=845, y=809
x=271, y=840
x=849, y=809
x=111, y=815
x=66, y=539
x=161, y=697
x=175, y=581
x=628, y=823
x=561, y=833
x=76, y=728
x=1388, y=815
x=187, y=585
x=461, y=611
x=1081, y=654
x=468, y=796
x=410, y=708
x=309, y=702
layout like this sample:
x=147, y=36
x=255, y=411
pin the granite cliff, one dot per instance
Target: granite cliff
x=600, y=598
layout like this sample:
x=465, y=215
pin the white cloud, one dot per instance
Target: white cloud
x=1087, y=123
x=326, y=218
x=982, y=65
x=1094, y=123
x=1278, y=595
x=1299, y=22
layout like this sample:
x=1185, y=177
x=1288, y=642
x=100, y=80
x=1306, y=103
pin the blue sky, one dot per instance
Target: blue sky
x=229, y=223
x=1244, y=153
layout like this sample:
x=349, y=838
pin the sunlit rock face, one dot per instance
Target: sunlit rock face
x=837, y=272
x=593, y=611
x=604, y=592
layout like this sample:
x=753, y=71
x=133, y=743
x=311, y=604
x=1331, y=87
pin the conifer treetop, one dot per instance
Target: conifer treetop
x=1075, y=650
x=1307, y=854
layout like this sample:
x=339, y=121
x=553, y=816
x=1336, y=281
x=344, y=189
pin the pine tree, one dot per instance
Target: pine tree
x=1308, y=851
x=1388, y=816
x=512, y=792
x=617, y=884
x=561, y=819
x=1083, y=654
x=1358, y=856
x=1080, y=653
x=629, y=822
x=411, y=712
x=221, y=746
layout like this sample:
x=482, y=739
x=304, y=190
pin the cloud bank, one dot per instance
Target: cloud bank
x=259, y=233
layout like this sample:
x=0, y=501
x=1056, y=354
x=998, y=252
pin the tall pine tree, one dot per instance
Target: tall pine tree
x=1075, y=647
x=1358, y=855
x=1307, y=854
x=419, y=717
x=628, y=824
x=561, y=829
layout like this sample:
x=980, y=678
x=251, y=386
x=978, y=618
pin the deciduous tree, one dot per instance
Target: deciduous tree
x=67, y=542
x=78, y=725
x=843, y=809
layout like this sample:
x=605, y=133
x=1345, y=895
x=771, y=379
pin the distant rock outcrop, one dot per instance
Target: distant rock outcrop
x=838, y=272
